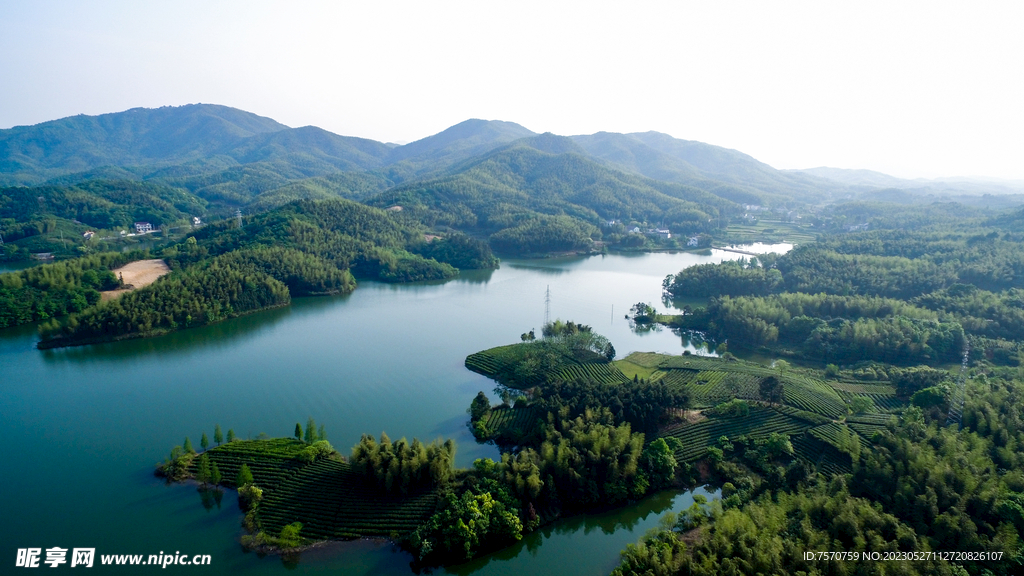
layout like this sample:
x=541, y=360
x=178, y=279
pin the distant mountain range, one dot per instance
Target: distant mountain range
x=483, y=177
x=184, y=142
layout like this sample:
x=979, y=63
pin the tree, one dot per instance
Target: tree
x=244, y=476
x=321, y=435
x=310, y=430
x=609, y=352
x=231, y=435
x=480, y=406
x=290, y=535
x=771, y=390
x=218, y=436
x=298, y=431
x=659, y=462
x=215, y=475
x=204, y=441
x=861, y=404
x=187, y=446
x=203, y=469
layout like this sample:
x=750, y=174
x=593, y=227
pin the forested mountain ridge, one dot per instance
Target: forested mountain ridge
x=483, y=177
x=459, y=142
x=30, y=154
x=507, y=192
x=728, y=173
x=863, y=180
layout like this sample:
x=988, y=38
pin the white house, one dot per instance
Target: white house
x=693, y=241
x=88, y=234
x=196, y=221
x=143, y=227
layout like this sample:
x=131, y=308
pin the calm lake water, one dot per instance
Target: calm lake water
x=84, y=426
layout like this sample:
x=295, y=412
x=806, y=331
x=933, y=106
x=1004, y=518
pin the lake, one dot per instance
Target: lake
x=84, y=426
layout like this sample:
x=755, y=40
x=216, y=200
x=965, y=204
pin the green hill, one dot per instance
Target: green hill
x=519, y=187
x=31, y=154
x=727, y=173
x=463, y=140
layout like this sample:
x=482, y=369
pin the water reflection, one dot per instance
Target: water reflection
x=696, y=342
x=590, y=544
x=15, y=266
x=546, y=270
x=210, y=497
x=222, y=335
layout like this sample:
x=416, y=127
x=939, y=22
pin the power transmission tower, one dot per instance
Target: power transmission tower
x=956, y=401
x=238, y=214
x=547, y=306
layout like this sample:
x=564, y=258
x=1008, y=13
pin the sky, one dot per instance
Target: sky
x=912, y=89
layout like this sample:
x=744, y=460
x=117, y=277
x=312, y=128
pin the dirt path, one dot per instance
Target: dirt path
x=136, y=275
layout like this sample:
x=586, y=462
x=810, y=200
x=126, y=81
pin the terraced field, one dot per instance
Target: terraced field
x=646, y=359
x=331, y=501
x=883, y=403
x=505, y=422
x=809, y=417
x=269, y=460
x=605, y=373
x=882, y=395
x=760, y=423
x=867, y=424
x=503, y=364
x=877, y=389
x=812, y=395
x=821, y=455
x=499, y=363
x=709, y=387
x=709, y=381
x=830, y=432
x=328, y=498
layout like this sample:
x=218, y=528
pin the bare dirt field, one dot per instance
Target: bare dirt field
x=136, y=275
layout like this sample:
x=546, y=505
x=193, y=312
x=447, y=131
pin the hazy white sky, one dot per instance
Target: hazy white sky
x=908, y=88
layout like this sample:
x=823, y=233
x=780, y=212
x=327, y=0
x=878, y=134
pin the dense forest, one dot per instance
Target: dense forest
x=895, y=295
x=309, y=247
x=44, y=292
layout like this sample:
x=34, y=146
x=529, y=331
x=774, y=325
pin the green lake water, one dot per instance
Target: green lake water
x=84, y=426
